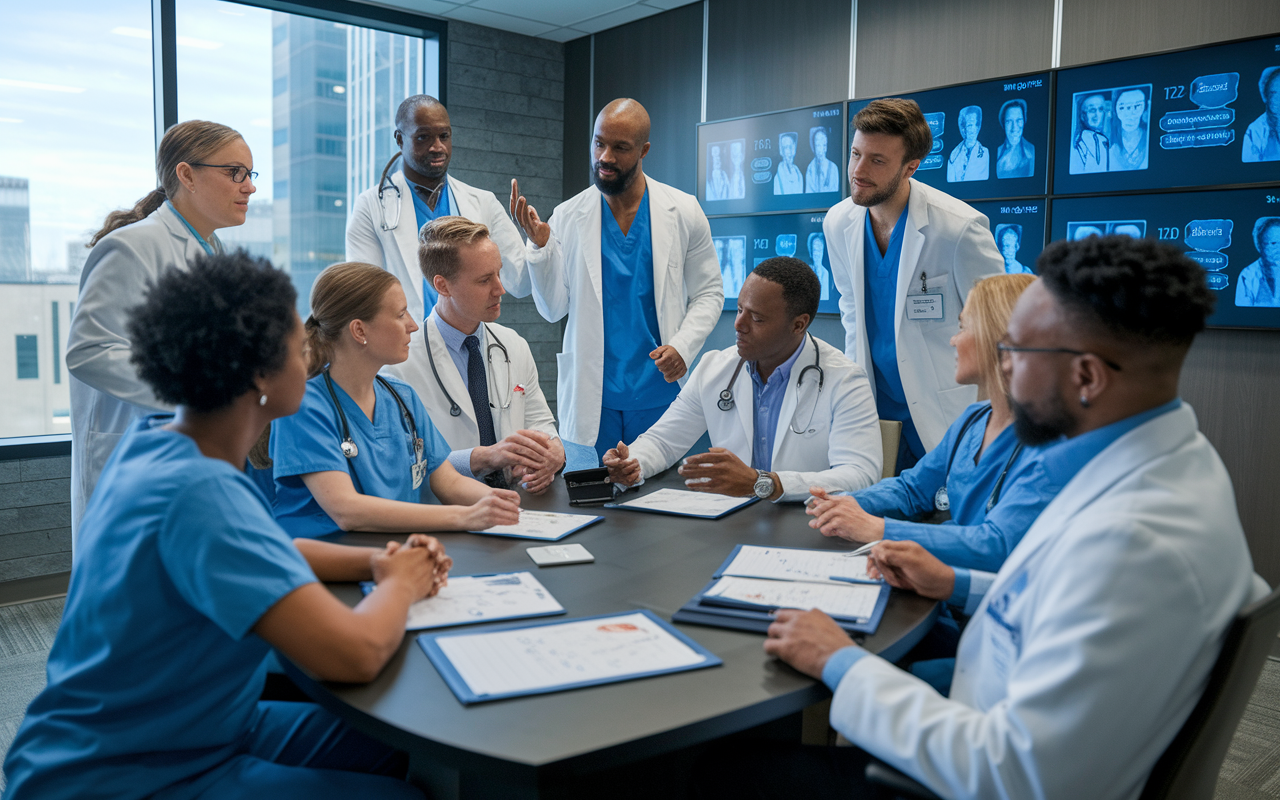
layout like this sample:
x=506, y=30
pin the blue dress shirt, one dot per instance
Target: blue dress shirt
x=425, y=214
x=454, y=341
x=766, y=399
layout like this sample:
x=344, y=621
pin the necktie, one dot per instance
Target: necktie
x=478, y=388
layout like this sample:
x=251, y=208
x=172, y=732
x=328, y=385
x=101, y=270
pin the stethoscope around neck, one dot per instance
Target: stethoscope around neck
x=349, y=448
x=391, y=221
x=494, y=341
x=726, y=401
x=941, y=501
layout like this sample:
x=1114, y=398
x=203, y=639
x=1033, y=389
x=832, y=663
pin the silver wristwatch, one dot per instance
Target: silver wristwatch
x=763, y=487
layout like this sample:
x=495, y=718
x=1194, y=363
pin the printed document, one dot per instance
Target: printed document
x=481, y=598
x=844, y=601
x=548, y=525
x=792, y=564
x=685, y=503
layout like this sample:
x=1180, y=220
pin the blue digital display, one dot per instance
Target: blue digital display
x=1234, y=234
x=1018, y=228
x=743, y=242
x=785, y=161
x=990, y=139
x=1204, y=117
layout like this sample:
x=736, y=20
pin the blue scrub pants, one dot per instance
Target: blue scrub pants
x=624, y=426
x=299, y=750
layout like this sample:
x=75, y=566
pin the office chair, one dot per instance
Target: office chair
x=890, y=434
x=1189, y=767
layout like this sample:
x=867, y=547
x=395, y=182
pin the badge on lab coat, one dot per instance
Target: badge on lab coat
x=419, y=468
x=924, y=306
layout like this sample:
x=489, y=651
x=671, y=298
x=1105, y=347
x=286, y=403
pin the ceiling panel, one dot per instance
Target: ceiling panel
x=558, y=20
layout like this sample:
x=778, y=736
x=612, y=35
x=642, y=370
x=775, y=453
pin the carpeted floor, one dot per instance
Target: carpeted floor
x=1251, y=770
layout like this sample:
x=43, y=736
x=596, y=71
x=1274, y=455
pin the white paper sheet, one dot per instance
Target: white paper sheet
x=690, y=504
x=546, y=656
x=844, y=600
x=480, y=598
x=548, y=525
x=791, y=564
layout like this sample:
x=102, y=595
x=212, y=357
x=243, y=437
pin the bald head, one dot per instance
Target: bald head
x=618, y=146
x=405, y=113
x=627, y=118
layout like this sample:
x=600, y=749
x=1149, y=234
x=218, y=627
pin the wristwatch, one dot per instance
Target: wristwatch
x=763, y=487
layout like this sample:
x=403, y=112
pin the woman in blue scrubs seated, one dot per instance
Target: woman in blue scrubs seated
x=183, y=581
x=355, y=455
x=993, y=488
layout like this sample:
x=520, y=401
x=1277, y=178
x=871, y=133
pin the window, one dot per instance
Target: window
x=56, y=338
x=28, y=358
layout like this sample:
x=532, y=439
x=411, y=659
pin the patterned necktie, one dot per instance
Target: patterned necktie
x=478, y=388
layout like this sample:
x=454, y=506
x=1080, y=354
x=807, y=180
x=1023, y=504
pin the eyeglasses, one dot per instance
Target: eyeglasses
x=235, y=171
x=1006, y=349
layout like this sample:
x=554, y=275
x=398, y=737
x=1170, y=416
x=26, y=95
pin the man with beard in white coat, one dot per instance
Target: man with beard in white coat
x=631, y=262
x=1088, y=649
x=385, y=220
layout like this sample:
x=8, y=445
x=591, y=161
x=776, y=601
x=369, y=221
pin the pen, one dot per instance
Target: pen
x=866, y=548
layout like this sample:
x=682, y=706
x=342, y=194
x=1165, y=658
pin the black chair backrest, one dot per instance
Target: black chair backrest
x=1188, y=769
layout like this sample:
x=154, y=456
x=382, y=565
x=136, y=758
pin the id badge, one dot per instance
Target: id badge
x=924, y=306
x=419, y=471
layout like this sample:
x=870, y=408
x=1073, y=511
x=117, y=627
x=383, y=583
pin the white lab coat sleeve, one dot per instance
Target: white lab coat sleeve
x=362, y=232
x=549, y=275
x=537, y=414
x=503, y=233
x=98, y=343
x=976, y=257
x=842, y=274
x=704, y=287
x=854, y=447
x=1090, y=666
x=678, y=429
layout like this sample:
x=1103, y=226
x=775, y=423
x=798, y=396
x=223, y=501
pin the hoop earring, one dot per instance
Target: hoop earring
x=262, y=401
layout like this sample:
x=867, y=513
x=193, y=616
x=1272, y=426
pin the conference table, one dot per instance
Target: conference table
x=526, y=747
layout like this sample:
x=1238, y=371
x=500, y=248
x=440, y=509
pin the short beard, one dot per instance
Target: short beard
x=430, y=173
x=1034, y=432
x=885, y=193
x=616, y=186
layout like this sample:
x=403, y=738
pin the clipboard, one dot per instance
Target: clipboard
x=628, y=506
x=742, y=617
x=553, y=607
x=723, y=569
x=587, y=521
x=430, y=644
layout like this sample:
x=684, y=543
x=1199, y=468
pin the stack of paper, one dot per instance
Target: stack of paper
x=682, y=503
x=481, y=598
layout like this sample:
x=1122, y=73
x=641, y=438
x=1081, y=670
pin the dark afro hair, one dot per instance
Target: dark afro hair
x=202, y=336
x=1137, y=289
x=801, y=289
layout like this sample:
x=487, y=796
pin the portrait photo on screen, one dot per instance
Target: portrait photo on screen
x=782, y=161
x=1233, y=234
x=732, y=253
x=1204, y=117
x=1018, y=229
x=990, y=139
x=756, y=238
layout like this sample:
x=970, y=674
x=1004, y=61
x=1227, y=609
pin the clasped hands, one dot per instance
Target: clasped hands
x=533, y=458
x=420, y=561
x=716, y=470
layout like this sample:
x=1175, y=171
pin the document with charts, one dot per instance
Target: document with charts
x=795, y=564
x=839, y=600
x=481, y=598
x=548, y=657
x=684, y=503
x=549, y=526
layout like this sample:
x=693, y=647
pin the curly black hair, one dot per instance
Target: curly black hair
x=1136, y=289
x=203, y=335
x=801, y=289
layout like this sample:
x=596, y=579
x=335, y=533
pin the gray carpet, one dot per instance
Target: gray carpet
x=1251, y=770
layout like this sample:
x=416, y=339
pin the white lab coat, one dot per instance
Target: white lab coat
x=840, y=449
x=565, y=277
x=396, y=250
x=951, y=244
x=106, y=393
x=1093, y=643
x=527, y=407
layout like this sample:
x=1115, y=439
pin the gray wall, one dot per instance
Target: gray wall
x=35, y=517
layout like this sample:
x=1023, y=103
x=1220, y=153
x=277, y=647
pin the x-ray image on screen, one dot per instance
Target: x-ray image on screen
x=767, y=235
x=1233, y=234
x=1018, y=229
x=969, y=160
x=725, y=180
x=1262, y=138
x=822, y=174
x=788, y=179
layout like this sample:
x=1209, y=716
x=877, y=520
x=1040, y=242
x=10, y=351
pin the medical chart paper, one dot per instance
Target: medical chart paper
x=549, y=657
x=842, y=601
x=794, y=564
x=549, y=526
x=481, y=598
x=685, y=504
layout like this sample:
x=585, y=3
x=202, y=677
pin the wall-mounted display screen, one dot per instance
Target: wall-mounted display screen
x=1018, y=228
x=743, y=242
x=1234, y=234
x=1203, y=117
x=990, y=139
x=785, y=161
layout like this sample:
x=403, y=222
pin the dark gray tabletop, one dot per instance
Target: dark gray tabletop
x=643, y=560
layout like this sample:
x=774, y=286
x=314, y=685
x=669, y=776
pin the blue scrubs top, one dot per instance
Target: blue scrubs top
x=974, y=537
x=310, y=441
x=155, y=674
x=424, y=215
x=631, y=380
x=880, y=273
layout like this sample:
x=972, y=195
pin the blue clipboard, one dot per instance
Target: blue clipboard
x=720, y=570
x=589, y=521
x=744, y=617
x=368, y=586
x=460, y=689
x=623, y=506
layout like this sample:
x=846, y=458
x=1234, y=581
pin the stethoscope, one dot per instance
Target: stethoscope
x=494, y=341
x=349, y=448
x=726, y=401
x=383, y=184
x=940, y=499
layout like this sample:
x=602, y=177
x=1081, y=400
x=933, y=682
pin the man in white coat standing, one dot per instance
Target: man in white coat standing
x=385, y=220
x=1087, y=651
x=786, y=411
x=476, y=378
x=631, y=262
x=904, y=257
